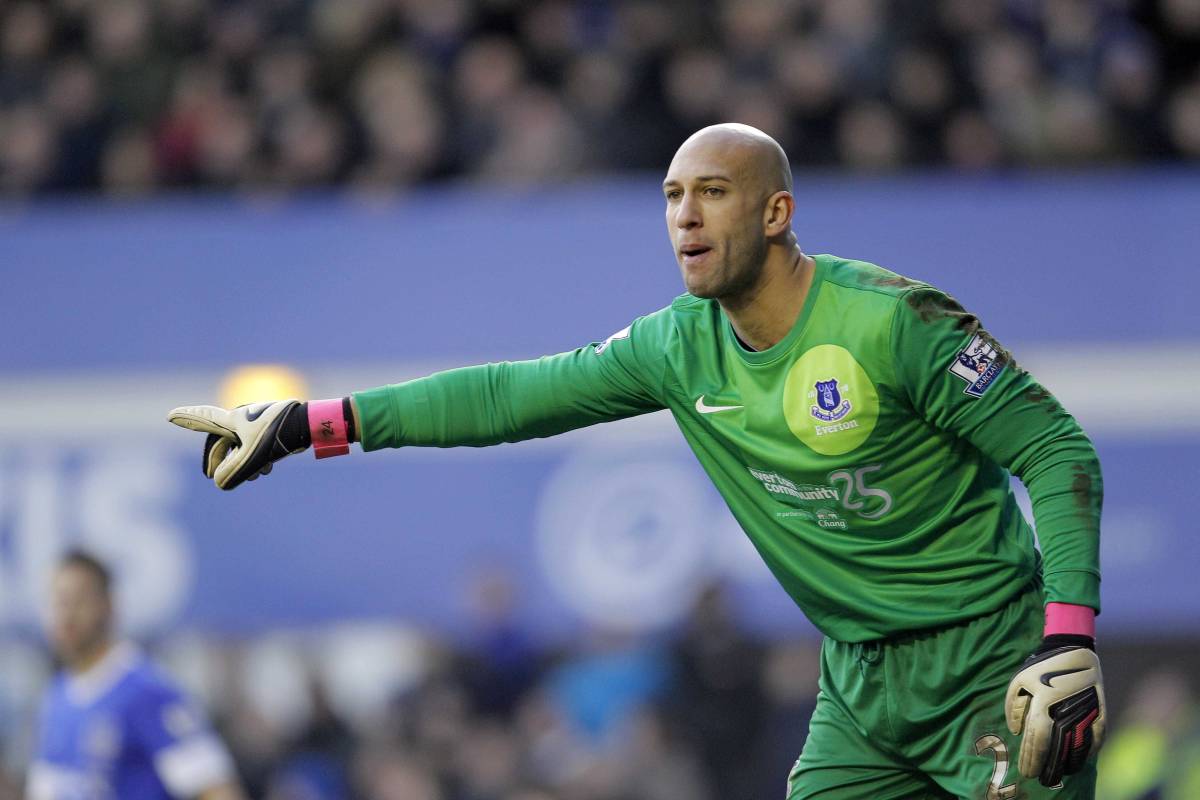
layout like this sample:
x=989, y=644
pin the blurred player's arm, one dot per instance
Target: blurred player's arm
x=189, y=757
x=963, y=381
x=473, y=406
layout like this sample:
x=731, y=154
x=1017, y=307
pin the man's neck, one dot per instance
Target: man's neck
x=91, y=658
x=765, y=314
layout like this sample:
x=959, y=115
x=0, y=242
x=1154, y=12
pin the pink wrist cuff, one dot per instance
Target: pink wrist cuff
x=1068, y=618
x=327, y=424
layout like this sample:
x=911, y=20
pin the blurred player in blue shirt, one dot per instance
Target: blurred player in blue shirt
x=114, y=727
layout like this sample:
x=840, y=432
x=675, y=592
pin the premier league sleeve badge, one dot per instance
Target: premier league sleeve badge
x=979, y=363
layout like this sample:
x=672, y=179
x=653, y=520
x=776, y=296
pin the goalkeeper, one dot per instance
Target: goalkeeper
x=862, y=428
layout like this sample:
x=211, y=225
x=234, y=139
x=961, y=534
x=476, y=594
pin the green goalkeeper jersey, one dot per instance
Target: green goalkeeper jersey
x=867, y=455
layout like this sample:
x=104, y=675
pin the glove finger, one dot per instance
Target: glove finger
x=226, y=473
x=217, y=454
x=1016, y=703
x=266, y=470
x=206, y=419
x=237, y=467
x=1102, y=720
x=206, y=458
x=253, y=448
x=1027, y=757
x=1035, y=742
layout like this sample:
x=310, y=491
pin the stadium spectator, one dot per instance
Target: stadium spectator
x=718, y=694
x=1155, y=752
x=128, y=96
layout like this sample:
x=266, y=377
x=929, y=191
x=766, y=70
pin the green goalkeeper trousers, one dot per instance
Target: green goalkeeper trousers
x=922, y=715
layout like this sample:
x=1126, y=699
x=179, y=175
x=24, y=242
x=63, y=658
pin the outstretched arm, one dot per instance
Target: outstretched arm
x=504, y=402
x=473, y=406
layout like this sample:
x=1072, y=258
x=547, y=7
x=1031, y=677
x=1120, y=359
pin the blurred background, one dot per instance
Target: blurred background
x=220, y=201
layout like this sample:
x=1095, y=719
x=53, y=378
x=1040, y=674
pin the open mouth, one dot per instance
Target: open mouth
x=693, y=251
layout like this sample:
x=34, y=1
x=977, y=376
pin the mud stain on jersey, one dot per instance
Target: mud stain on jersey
x=1086, y=501
x=895, y=281
x=1041, y=396
x=932, y=307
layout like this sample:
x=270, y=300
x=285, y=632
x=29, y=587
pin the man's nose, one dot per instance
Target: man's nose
x=688, y=215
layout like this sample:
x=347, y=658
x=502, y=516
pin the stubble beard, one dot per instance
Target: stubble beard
x=739, y=273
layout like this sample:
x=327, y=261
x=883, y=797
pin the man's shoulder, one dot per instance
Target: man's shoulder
x=144, y=688
x=689, y=303
x=907, y=299
x=684, y=314
x=689, y=310
x=148, y=678
x=864, y=276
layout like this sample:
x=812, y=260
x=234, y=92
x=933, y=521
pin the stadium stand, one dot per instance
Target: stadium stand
x=129, y=96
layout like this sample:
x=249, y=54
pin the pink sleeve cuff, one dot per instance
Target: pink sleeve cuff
x=1072, y=619
x=327, y=424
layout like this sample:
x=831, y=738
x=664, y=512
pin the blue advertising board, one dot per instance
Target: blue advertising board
x=118, y=312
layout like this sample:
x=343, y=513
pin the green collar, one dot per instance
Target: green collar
x=784, y=345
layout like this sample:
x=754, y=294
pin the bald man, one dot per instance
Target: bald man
x=862, y=428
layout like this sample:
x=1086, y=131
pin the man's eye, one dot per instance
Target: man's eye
x=714, y=191
x=673, y=194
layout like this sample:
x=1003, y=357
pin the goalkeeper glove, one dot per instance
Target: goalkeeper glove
x=1057, y=699
x=246, y=441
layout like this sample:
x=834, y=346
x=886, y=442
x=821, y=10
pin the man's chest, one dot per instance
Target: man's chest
x=826, y=435
x=809, y=412
x=92, y=740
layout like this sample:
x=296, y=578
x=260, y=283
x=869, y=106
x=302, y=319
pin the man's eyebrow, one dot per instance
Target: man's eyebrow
x=699, y=179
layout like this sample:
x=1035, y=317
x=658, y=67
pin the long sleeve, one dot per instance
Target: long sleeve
x=961, y=380
x=513, y=401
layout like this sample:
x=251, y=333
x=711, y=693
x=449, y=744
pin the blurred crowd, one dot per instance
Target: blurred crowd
x=379, y=712
x=128, y=96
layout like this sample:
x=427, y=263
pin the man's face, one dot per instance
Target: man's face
x=714, y=219
x=80, y=613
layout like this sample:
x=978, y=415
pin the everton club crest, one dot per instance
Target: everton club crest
x=831, y=406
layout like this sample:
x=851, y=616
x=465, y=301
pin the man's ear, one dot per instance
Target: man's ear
x=777, y=216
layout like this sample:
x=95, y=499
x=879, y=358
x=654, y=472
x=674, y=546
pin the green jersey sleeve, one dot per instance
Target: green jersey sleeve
x=516, y=400
x=961, y=380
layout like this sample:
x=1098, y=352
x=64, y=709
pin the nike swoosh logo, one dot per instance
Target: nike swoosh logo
x=1049, y=676
x=707, y=409
x=254, y=413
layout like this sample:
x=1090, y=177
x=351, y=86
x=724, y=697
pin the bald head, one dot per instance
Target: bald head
x=755, y=158
x=729, y=209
